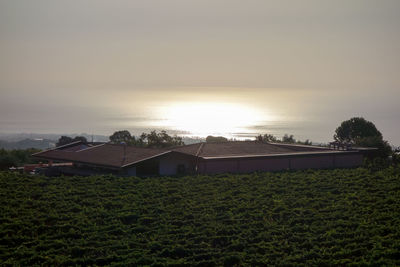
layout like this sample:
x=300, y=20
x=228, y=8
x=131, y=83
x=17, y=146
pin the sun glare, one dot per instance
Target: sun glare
x=204, y=118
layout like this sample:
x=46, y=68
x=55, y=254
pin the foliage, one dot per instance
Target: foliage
x=152, y=139
x=361, y=132
x=384, y=149
x=354, y=129
x=216, y=139
x=269, y=138
x=122, y=137
x=376, y=163
x=396, y=155
x=65, y=140
x=162, y=139
x=80, y=138
x=27, y=143
x=16, y=157
x=288, y=139
x=313, y=217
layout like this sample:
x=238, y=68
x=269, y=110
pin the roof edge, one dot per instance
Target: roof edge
x=57, y=147
x=301, y=145
x=285, y=154
x=87, y=148
x=83, y=162
x=157, y=155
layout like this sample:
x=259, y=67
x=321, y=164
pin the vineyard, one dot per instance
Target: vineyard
x=313, y=217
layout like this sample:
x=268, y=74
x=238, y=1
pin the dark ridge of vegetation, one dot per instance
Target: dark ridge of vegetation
x=27, y=143
x=314, y=217
x=288, y=139
x=17, y=157
x=152, y=139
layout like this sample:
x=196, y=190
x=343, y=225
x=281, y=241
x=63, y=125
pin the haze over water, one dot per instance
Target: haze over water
x=232, y=68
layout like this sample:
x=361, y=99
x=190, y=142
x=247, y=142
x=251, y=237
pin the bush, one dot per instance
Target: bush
x=16, y=157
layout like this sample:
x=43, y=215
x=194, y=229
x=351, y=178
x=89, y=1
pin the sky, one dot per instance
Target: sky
x=234, y=68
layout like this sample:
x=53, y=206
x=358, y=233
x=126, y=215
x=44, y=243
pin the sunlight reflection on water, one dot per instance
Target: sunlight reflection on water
x=215, y=118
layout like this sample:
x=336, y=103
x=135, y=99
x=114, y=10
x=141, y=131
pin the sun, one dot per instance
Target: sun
x=204, y=118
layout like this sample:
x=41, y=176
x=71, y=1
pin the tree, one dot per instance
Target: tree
x=288, y=139
x=122, y=137
x=7, y=160
x=64, y=140
x=267, y=138
x=215, y=139
x=162, y=139
x=353, y=130
x=80, y=138
x=396, y=155
x=16, y=157
x=152, y=139
x=361, y=132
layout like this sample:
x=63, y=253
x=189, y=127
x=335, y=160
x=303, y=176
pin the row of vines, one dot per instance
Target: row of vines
x=314, y=217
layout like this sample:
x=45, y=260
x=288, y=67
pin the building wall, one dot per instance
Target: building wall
x=246, y=165
x=346, y=161
x=266, y=164
x=218, y=166
x=169, y=164
x=312, y=162
x=131, y=171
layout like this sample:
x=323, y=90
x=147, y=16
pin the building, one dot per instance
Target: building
x=201, y=158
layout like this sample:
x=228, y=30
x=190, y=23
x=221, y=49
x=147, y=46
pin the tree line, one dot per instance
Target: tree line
x=152, y=139
x=288, y=139
x=16, y=157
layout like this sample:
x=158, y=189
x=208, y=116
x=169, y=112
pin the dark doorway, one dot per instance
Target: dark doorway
x=149, y=167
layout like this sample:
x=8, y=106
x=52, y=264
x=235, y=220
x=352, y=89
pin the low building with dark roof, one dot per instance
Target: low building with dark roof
x=201, y=158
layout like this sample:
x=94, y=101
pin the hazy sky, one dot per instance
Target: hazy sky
x=97, y=66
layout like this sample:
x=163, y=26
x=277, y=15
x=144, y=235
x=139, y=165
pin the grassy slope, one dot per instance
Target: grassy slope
x=311, y=217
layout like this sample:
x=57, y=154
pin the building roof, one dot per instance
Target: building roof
x=104, y=154
x=245, y=148
x=120, y=156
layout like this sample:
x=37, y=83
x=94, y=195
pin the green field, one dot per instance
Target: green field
x=325, y=217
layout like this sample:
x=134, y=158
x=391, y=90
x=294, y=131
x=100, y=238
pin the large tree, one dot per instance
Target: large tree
x=353, y=130
x=122, y=137
x=162, y=139
x=267, y=138
x=360, y=132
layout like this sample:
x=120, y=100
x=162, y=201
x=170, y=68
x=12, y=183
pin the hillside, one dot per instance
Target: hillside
x=27, y=143
x=326, y=217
